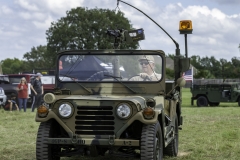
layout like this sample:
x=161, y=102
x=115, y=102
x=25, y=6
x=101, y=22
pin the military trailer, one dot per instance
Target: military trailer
x=103, y=103
x=213, y=94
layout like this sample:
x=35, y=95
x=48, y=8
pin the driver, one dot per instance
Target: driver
x=147, y=67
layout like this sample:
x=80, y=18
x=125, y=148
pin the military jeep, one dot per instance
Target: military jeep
x=103, y=102
x=97, y=107
x=213, y=94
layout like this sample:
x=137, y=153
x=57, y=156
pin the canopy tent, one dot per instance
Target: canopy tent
x=83, y=69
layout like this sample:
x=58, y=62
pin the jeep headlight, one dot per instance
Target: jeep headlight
x=124, y=110
x=65, y=110
x=49, y=98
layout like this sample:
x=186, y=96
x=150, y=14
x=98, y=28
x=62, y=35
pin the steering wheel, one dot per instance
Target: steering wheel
x=98, y=76
x=144, y=79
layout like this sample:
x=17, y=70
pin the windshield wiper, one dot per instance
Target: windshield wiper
x=89, y=91
x=117, y=79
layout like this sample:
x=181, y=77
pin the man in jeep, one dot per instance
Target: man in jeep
x=147, y=64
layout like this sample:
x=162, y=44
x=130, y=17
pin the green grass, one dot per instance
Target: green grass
x=209, y=133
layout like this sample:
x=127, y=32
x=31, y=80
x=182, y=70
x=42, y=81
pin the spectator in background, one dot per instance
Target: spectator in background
x=11, y=103
x=37, y=89
x=22, y=94
x=32, y=79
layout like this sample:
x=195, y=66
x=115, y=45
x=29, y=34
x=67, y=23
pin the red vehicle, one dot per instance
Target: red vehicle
x=15, y=78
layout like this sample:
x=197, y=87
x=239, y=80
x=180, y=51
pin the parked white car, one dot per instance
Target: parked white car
x=3, y=97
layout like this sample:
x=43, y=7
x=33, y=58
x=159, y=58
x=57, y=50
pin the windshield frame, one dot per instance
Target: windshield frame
x=110, y=53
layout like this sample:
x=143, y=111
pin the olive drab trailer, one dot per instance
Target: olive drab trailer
x=102, y=102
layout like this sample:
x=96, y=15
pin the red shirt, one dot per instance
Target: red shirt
x=23, y=93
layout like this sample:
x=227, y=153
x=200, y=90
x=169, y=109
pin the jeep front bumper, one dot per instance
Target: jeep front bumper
x=93, y=141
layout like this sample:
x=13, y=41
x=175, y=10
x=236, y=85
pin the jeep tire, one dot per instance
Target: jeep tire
x=202, y=101
x=172, y=148
x=44, y=150
x=151, y=142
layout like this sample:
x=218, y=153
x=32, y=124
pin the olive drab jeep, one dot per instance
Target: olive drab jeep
x=214, y=94
x=105, y=102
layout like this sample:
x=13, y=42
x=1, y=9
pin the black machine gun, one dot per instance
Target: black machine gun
x=122, y=35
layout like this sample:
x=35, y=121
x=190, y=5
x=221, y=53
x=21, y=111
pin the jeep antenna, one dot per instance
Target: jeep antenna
x=177, y=45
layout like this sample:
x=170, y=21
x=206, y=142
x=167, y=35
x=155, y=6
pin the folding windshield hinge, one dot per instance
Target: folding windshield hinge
x=111, y=139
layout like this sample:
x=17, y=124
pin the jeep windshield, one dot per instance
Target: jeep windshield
x=110, y=67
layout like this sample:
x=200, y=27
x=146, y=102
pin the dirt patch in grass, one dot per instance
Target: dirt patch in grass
x=182, y=154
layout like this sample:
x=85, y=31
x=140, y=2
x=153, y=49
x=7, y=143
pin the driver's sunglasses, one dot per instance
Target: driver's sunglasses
x=146, y=63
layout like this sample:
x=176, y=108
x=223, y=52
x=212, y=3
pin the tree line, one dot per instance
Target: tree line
x=84, y=28
x=211, y=68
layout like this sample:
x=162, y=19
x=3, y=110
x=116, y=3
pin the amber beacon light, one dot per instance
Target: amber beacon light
x=185, y=27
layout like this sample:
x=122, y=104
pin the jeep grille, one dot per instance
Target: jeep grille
x=94, y=120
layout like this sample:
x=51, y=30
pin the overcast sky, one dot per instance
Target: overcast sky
x=216, y=24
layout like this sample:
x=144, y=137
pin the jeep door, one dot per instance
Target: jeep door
x=213, y=93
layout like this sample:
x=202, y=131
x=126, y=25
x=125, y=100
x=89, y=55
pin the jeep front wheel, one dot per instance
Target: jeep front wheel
x=151, y=142
x=202, y=101
x=44, y=150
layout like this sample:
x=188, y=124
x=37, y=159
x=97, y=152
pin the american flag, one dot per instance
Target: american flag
x=188, y=75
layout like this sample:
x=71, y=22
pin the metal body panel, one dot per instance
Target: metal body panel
x=138, y=103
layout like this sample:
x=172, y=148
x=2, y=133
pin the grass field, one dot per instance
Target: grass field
x=209, y=133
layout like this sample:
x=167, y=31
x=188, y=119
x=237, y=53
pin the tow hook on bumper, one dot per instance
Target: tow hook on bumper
x=74, y=139
x=111, y=139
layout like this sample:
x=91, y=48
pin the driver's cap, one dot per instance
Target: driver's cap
x=146, y=57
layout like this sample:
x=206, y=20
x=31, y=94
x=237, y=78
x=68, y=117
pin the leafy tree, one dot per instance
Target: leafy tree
x=207, y=67
x=215, y=67
x=12, y=66
x=169, y=73
x=171, y=56
x=235, y=61
x=226, y=69
x=236, y=67
x=195, y=62
x=37, y=58
x=206, y=74
x=84, y=28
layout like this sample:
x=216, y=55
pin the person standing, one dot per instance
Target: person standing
x=22, y=94
x=32, y=79
x=37, y=89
